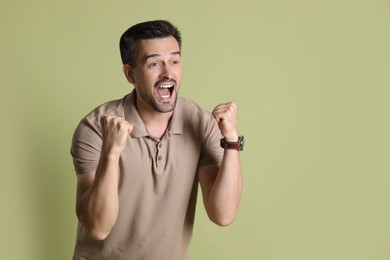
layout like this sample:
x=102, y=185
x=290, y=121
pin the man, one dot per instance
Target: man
x=139, y=159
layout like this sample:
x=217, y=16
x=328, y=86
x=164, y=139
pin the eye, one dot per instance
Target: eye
x=175, y=62
x=154, y=65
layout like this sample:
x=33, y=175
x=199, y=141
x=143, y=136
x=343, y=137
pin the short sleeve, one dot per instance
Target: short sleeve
x=212, y=153
x=86, y=145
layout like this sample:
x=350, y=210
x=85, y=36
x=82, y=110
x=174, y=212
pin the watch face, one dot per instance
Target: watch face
x=241, y=143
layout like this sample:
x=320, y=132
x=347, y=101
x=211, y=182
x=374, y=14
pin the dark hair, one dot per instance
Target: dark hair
x=130, y=39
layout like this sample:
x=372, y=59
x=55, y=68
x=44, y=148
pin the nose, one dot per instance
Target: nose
x=166, y=71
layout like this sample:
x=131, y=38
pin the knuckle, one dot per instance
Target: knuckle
x=104, y=117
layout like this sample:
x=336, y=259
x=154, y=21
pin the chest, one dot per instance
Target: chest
x=159, y=166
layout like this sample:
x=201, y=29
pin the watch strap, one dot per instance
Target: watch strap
x=238, y=145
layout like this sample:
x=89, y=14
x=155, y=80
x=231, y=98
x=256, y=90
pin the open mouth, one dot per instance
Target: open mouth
x=165, y=91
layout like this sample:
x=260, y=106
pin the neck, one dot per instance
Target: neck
x=155, y=122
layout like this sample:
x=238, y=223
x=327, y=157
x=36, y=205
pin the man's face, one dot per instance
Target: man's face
x=157, y=74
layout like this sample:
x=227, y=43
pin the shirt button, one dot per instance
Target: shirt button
x=159, y=158
x=160, y=145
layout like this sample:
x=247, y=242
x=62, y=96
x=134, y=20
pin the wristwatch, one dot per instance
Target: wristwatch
x=239, y=145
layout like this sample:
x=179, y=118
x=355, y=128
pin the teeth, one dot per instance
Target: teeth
x=165, y=86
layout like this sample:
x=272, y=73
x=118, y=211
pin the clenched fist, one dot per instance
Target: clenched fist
x=226, y=116
x=115, y=132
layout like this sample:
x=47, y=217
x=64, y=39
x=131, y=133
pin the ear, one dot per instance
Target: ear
x=129, y=74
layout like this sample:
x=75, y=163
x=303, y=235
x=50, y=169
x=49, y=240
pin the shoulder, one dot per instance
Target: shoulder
x=190, y=108
x=92, y=119
x=114, y=107
x=194, y=117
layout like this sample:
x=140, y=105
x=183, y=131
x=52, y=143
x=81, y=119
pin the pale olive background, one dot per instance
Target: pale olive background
x=311, y=80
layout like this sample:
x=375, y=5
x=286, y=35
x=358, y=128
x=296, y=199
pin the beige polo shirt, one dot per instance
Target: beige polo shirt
x=158, y=187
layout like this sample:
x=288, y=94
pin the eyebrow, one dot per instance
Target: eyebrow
x=157, y=55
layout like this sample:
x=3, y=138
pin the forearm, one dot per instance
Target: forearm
x=99, y=206
x=225, y=193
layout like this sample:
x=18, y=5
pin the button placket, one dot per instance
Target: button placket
x=161, y=154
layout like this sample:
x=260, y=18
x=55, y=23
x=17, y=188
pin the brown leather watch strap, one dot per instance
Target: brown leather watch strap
x=239, y=145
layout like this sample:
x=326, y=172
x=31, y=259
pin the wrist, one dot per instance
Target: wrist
x=231, y=138
x=238, y=144
x=110, y=150
x=111, y=154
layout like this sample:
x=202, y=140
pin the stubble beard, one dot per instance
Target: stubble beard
x=165, y=107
